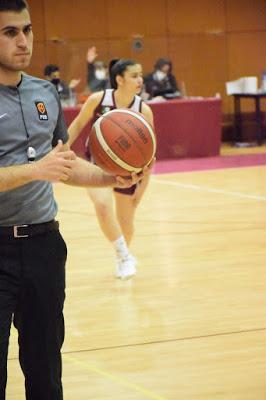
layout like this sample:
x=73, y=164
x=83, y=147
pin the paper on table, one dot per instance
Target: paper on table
x=248, y=84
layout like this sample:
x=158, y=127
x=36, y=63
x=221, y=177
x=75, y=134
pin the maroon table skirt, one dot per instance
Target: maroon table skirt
x=184, y=128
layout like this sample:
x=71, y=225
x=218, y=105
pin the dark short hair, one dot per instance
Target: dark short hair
x=99, y=64
x=118, y=67
x=50, y=68
x=161, y=62
x=13, y=5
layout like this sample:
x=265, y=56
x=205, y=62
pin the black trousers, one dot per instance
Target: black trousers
x=32, y=293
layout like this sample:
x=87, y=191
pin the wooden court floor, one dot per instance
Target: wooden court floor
x=192, y=324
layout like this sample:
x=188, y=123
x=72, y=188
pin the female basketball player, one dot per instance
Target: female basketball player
x=126, y=82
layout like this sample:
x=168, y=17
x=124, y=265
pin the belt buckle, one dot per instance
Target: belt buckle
x=16, y=233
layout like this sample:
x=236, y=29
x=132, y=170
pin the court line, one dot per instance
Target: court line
x=208, y=189
x=124, y=382
x=164, y=341
x=178, y=339
x=117, y=379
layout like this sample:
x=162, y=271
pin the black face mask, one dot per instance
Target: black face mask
x=55, y=81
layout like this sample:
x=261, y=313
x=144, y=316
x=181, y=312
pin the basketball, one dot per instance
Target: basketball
x=122, y=141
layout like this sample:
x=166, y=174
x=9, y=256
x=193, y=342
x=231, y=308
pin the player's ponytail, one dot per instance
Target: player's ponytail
x=118, y=67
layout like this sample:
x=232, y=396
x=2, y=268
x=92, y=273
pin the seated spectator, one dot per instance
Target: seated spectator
x=65, y=91
x=161, y=82
x=97, y=73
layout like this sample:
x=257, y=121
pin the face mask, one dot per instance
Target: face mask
x=100, y=74
x=55, y=81
x=160, y=75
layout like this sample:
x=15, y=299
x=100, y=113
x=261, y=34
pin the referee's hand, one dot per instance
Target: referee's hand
x=123, y=183
x=56, y=166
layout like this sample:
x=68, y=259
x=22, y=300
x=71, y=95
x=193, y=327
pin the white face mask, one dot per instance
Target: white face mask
x=160, y=75
x=100, y=74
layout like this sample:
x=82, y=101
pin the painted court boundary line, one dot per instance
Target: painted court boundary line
x=137, y=388
x=114, y=378
x=208, y=189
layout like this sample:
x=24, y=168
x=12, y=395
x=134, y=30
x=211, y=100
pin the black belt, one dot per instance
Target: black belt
x=25, y=231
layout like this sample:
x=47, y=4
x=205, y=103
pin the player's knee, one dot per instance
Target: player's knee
x=103, y=209
x=135, y=202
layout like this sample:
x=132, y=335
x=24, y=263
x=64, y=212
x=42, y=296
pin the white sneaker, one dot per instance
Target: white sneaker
x=126, y=267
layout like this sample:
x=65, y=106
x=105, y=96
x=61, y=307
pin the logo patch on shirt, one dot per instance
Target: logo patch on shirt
x=43, y=116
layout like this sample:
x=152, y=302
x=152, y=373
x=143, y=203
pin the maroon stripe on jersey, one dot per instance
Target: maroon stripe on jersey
x=100, y=109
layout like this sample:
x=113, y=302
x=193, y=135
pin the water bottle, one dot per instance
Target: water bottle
x=263, y=82
x=72, y=98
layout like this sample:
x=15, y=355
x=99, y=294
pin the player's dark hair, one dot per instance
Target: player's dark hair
x=118, y=67
x=13, y=5
x=50, y=68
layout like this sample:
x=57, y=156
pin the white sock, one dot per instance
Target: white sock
x=120, y=246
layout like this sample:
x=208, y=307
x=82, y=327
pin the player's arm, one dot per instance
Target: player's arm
x=84, y=116
x=148, y=114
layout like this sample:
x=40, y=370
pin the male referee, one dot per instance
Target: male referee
x=33, y=154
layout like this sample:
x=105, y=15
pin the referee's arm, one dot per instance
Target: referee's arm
x=87, y=174
x=55, y=166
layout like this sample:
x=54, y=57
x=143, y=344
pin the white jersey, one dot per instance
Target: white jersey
x=107, y=103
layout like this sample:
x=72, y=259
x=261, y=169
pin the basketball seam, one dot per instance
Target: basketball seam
x=133, y=140
x=142, y=119
x=126, y=166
